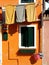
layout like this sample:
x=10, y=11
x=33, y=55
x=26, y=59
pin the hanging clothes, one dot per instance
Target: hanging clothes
x=3, y=17
x=30, y=12
x=46, y=5
x=20, y=12
x=9, y=14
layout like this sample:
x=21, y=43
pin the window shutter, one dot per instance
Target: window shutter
x=27, y=36
x=24, y=36
x=31, y=36
x=5, y=36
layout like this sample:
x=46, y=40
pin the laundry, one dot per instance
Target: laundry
x=20, y=12
x=30, y=12
x=3, y=17
x=9, y=14
x=46, y=6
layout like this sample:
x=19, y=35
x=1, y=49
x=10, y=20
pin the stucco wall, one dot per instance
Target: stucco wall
x=10, y=54
x=46, y=42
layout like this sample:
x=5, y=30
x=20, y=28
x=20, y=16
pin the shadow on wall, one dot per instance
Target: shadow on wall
x=33, y=57
x=25, y=52
x=0, y=17
x=13, y=28
x=40, y=22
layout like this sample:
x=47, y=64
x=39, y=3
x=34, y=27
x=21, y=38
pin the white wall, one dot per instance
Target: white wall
x=0, y=47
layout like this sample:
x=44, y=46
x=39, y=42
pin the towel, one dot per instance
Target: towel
x=30, y=12
x=20, y=12
x=9, y=14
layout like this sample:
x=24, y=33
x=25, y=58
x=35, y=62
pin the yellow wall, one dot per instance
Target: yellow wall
x=10, y=48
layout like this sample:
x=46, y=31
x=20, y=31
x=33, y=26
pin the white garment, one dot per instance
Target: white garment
x=0, y=45
x=20, y=12
x=46, y=5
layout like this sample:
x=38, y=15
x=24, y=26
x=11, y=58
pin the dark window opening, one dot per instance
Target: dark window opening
x=27, y=36
x=27, y=1
x=5, y=36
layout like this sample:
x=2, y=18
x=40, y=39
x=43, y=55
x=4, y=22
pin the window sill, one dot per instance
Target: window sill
x=27, y=48
x=26, y=3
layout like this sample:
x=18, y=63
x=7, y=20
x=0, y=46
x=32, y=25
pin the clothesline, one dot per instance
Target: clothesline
x=38, y=4
x=3, y=8
x=18, y=14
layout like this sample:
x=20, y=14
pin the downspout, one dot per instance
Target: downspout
x=41, y=33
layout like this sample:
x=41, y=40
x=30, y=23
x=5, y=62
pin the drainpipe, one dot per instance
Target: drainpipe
x=41, y=34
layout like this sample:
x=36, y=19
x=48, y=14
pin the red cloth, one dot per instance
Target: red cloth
x=34, y=58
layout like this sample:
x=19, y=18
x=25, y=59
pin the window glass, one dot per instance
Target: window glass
x=27, y=1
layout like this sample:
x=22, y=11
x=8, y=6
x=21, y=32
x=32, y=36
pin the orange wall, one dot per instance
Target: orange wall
x=6, y=2
x=16, y=2
x=11, y=54
x=10, y=47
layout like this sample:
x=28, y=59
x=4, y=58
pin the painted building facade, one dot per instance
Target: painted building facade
x=11, y=52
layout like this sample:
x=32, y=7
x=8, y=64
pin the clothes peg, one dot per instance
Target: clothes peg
x=3, y=8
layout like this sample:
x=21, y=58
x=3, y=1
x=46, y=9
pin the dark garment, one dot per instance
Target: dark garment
x=3, y=17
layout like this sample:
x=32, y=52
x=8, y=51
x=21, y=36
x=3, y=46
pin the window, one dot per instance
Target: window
x=5, y=36
x=27, y=36
x=26, y=1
